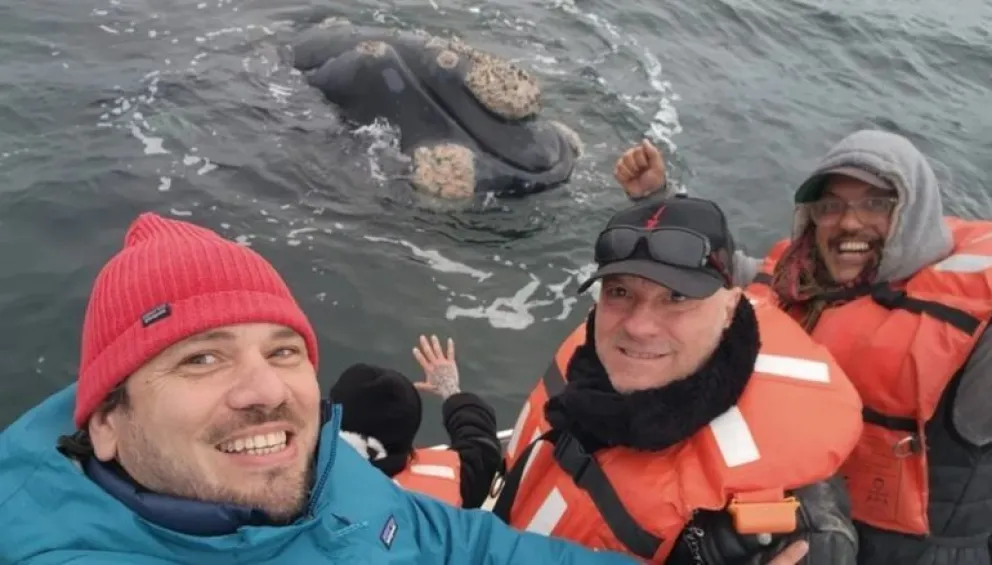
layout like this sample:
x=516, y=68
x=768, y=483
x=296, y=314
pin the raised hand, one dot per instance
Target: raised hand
x=440, y=370
x=640, y=170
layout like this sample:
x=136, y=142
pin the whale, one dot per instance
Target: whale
x=468, y=120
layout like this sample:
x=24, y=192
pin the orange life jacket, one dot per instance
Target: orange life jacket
x=901, y=362
x=796, y=421
x=434, y=472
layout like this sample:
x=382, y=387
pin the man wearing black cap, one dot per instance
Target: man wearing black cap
x=687, y=424
x=382, y=412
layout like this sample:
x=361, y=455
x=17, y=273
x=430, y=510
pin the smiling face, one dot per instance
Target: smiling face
x=647, y=337
x=230, y=415
x=852, y=220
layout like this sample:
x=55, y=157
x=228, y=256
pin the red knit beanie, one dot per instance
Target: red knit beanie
x=171, y=281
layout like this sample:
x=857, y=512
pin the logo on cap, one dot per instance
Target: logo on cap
x=655, y=218
x=160, y=312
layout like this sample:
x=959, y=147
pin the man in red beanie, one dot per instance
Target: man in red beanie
x=196, y=433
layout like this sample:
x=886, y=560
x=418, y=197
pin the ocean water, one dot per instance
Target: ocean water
x=189, y=108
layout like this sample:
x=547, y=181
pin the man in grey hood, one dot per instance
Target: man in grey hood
x=901, y=296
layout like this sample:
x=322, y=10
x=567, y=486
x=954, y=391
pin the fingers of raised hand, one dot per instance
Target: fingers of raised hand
x=430, y=352
x=422, y=360
x=641, y=159
x=427, y=349
x=620, y=172
x=436, y=348
x=651, y=152
x=425, y=386
x=630, y=160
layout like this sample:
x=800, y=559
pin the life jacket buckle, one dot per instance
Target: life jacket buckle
x=907, y=446
x=888, y=297
x=571, y=456
x=496, y=486
x=763, y=514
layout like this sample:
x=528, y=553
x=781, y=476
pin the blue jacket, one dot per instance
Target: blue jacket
x=51, y=512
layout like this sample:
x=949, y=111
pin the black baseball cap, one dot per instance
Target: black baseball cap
x=812, y=187
x=680, y=211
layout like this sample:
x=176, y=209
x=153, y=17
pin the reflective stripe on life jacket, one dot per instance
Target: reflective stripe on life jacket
x=901, y=347
x=530, y=422
x=434, y=472
x=796, y=421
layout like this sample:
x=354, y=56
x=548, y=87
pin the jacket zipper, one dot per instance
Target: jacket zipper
x=319, y=486
x=694, y=540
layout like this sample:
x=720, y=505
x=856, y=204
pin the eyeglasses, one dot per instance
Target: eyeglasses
x=678, y=247
x=868, y=210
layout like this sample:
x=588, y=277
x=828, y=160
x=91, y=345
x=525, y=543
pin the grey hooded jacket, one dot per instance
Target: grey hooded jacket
x=918, y=237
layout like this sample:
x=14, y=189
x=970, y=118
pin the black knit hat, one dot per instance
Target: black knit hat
x=383, y=404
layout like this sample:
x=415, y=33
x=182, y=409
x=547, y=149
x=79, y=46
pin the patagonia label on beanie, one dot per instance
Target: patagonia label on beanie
x=160, y=312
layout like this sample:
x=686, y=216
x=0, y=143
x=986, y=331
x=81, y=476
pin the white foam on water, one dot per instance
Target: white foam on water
x=153, y=145
x=12, y=153
x=508, y=313
x=385, y=142
x=298, y=236
x=127, y=112
x=665, y=121
x=433, y=258
x=493, y=15
x=280, y=92
x=536, y=301
x=545, y=297
x=547, y=65
x=206, y=168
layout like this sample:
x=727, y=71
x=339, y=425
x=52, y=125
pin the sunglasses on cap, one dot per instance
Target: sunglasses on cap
x=678, y=247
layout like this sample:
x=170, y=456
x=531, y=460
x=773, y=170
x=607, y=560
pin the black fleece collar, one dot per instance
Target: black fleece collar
x=598, y=416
